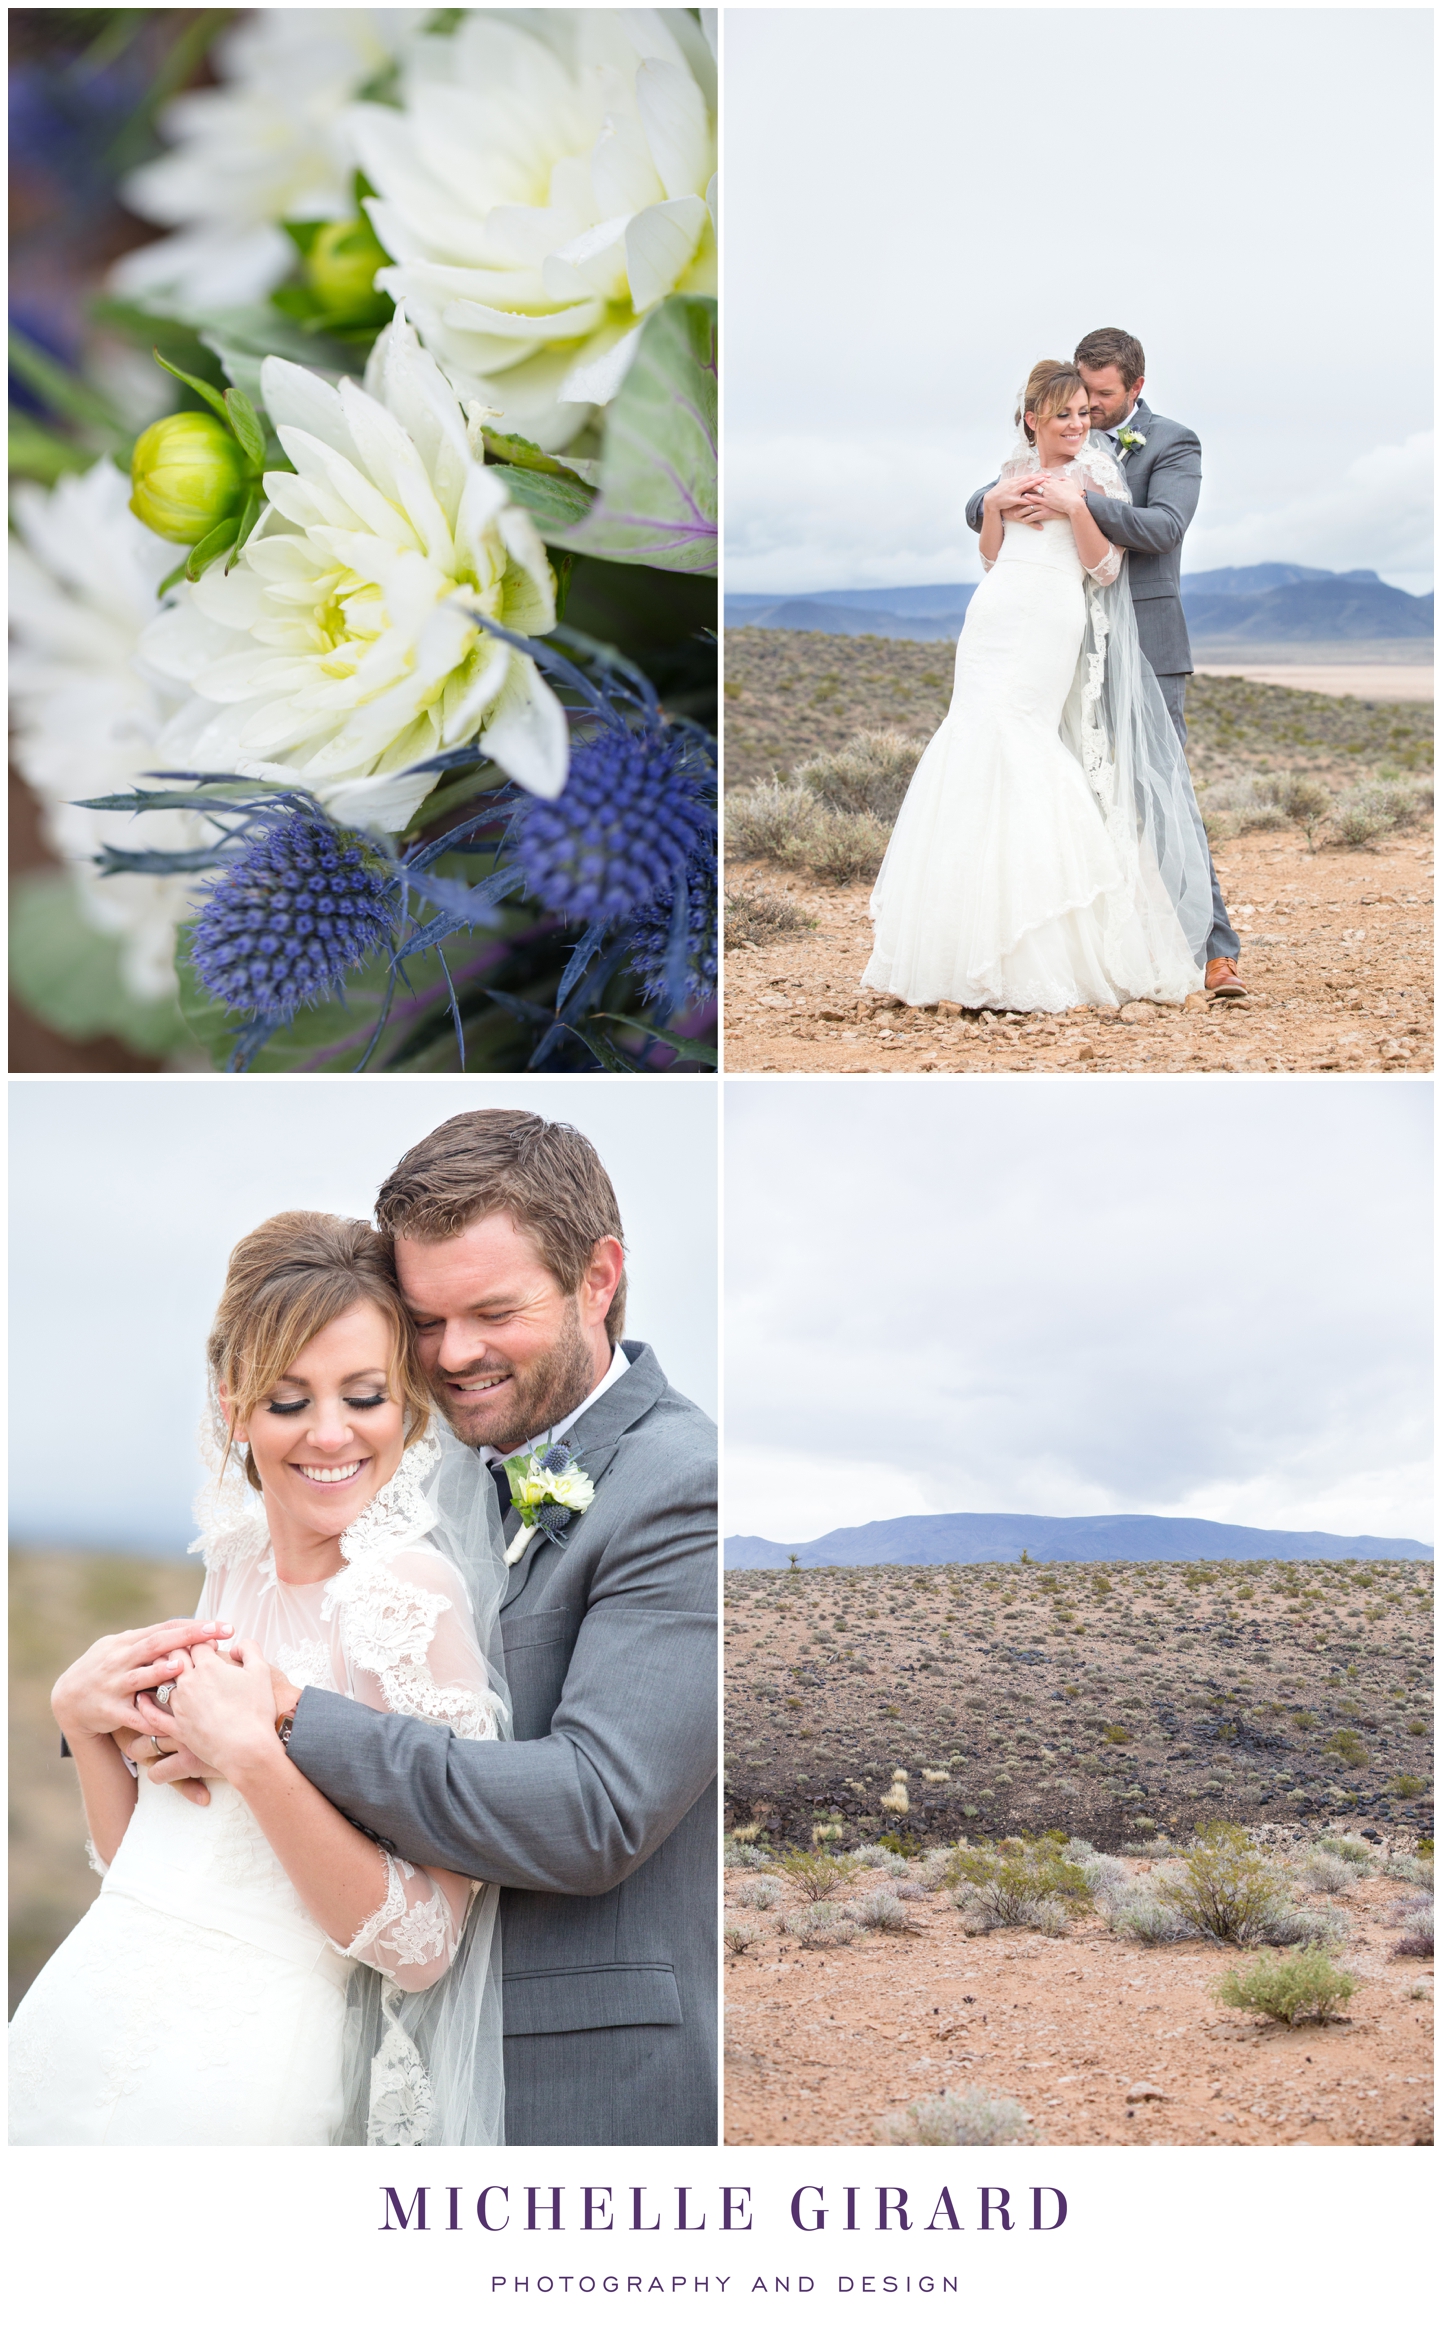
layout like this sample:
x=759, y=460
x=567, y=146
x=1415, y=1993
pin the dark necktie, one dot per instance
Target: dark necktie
x=499, y=1474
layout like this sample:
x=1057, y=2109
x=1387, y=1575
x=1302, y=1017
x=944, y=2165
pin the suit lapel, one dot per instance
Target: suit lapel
x=593, y=1442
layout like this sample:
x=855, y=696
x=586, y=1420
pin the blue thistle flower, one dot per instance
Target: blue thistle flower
x=635, y=811
x=289, y=917
x=651, y=935
x=556, y=1458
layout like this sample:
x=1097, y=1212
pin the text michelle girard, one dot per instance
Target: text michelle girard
x=729, y=2207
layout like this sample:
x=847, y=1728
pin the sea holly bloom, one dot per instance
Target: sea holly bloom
x=340, y=649
x=282, y=925
x=546, y=181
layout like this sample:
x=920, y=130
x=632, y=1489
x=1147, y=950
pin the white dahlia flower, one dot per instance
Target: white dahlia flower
x=547, y=179
x=88, y=711
x=270, y=143
x=338, y=650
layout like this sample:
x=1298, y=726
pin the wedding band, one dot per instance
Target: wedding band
x=155, y=1742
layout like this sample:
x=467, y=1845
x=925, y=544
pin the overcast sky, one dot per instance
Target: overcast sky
x=127, y=1197
x=1201, y=1299
x=921, y=203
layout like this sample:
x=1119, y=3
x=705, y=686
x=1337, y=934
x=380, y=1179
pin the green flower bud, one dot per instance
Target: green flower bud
x=340, y=269
x=188, y=475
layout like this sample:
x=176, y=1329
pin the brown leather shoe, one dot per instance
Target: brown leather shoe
x=1222, y=980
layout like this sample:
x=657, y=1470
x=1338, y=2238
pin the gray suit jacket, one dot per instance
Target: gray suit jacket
x=599, y=1816
x=1164, y=478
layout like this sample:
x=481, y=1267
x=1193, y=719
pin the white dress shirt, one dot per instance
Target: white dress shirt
x=619, y=1365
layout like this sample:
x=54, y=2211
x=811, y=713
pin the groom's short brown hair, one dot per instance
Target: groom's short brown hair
x=1110, y=346
x=546, y=1176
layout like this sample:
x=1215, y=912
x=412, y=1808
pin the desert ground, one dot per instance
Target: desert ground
x=1127, y=1704
x=1336, y=941
x=1382, y=682
x=59, y=1603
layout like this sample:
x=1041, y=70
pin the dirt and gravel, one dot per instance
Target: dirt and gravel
x=1336, y=942
x=1124, y=1703
x=821, y=2043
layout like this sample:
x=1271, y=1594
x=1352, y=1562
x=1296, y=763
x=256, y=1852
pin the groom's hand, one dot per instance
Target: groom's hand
x=175, y=1766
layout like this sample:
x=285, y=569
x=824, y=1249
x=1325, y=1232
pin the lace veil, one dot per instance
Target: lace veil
x=422, y=2066
x=1116, y=722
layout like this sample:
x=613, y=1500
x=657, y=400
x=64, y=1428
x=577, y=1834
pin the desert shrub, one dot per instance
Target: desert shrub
x=1009, y=1880
x=1360, y=816
x=1404, y=1869
x=948, y=2119
x=1290, y=1925
x=900, y=1846
x=1225, y=1887
x=819, y=1925
x=772, y=820
x=738, y=1938
x=934, y=1870
x=1099, y=1871
x=1154, y=1847
x=1304, y=801
x=847, y=847
x=1137, y=1914
x=762, y=1892
x=815, y=1873
x=746, y=1855
x=881, y=1911
x=1117, y=1734
x=1351, y=1848
x=1415, y=1918
x=1407, y=1786
x=870, y=773
x=758, y=917
x=879, y=1855
x=1321, y=1872
x=1305, y=1987
x=1349, y=1749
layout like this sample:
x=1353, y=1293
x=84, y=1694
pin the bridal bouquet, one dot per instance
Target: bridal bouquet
x=364, y=549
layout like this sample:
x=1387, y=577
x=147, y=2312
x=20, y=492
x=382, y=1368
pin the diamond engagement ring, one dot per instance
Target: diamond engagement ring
x=165, y=1692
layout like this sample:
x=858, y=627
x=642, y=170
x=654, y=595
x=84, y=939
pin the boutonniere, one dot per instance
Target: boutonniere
x=547, y=1487
x=1129, y=441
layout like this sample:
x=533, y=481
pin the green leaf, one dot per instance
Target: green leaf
x=38, y=452
x=200, y=388
x=248, y=432
x=68, y=974
x=302, y=232
x=210, y=547
x=657, y=504
x=556, y=503
x=250, y=511
x=522, y=454
x=702, y=1053
x=67, y=395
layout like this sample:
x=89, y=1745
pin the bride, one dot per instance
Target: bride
x=256, y=1969
x=1049, y=851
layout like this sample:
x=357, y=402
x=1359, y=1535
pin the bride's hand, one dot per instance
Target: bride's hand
x=97, y=1694
x=1045, y=491
x=223, y=1710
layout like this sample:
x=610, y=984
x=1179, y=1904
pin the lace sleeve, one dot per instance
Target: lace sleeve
x=1109, y=568
x=409, y=1643
x=414, y=1933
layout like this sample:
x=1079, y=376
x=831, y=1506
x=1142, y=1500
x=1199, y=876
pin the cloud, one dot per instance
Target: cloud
x=1025, y=1300
x=1377, y=513
x=837, y=513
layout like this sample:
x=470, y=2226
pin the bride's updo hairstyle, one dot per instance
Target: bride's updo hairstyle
x=1049, y=389
x=284, y=1283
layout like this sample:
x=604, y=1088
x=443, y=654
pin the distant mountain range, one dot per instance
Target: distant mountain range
x=929, y=1540
x=1267, y=605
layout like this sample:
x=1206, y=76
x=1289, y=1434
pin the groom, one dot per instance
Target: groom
x=1162, y=464
x=598, y=1817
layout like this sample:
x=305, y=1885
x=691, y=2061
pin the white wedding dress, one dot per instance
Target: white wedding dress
x=1048, y=851
x=197, y=2001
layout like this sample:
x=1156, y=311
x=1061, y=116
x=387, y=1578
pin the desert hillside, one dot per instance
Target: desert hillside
x=1331, y=894
x=878, y=1718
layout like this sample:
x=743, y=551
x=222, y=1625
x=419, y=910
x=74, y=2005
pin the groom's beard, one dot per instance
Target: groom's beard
x=536, y=1396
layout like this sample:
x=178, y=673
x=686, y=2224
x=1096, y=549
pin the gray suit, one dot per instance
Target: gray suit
x=599, y=1817
x=1164, y=479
